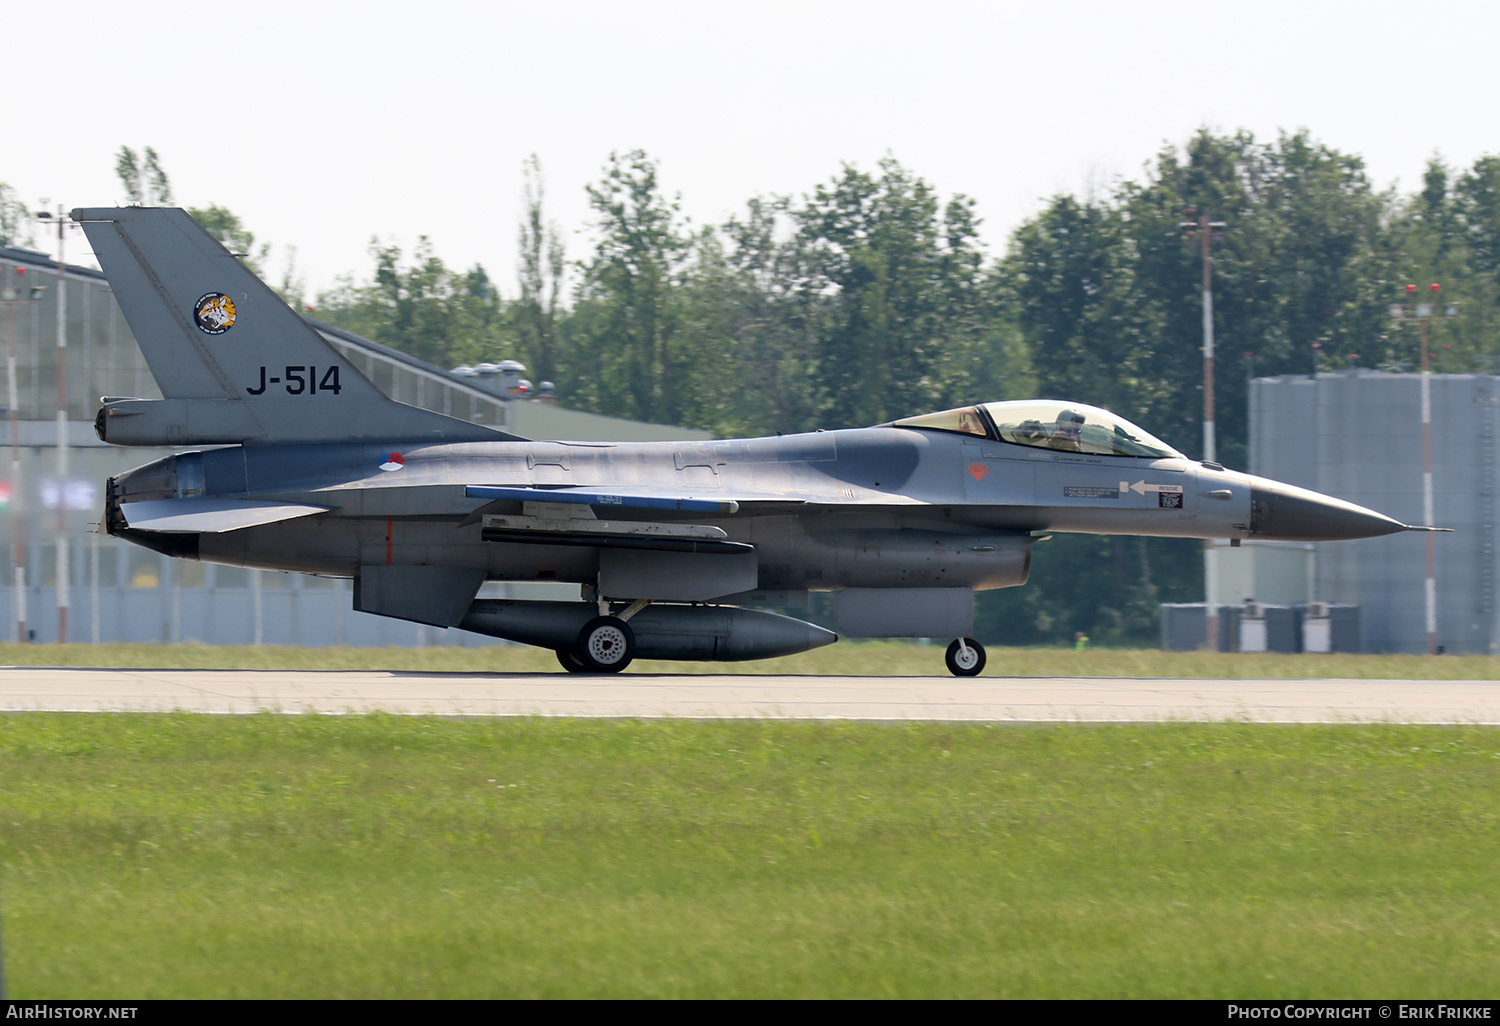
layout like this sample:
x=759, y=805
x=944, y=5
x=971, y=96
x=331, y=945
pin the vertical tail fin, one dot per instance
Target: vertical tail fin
x=234, y=362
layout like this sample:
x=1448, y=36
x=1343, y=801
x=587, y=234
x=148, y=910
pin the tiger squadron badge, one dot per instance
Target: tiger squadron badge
x=214, y=313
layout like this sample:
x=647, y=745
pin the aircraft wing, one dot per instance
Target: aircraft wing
x=585, y=528
x=665, y=499
x=657, y=499
x=209, y=516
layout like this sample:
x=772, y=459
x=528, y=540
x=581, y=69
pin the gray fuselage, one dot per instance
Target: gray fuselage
x=873, y=507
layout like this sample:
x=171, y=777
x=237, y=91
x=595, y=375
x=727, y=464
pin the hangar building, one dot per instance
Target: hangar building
x=1358, y=435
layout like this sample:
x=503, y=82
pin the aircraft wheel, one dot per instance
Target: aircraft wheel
x=570, y=662
x=965, y=664
x=606, y=644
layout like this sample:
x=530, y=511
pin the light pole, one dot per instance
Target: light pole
x=1423, y=314
x=63, y=223
x=1204, y=231
x=11, y=294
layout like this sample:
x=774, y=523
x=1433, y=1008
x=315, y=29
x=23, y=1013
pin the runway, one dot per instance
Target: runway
x=979, y=699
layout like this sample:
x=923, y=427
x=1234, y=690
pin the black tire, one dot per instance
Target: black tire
x=960, y=667
x=605, y=645
x=570, y=662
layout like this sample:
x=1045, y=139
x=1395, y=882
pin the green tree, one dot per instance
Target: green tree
x=909, y=304
x=226, y=226
x=541, y=277
x=293, y=288
x=624, y=355
x=1109, y=292
x=768, y=322
x=422, y=308
x=1070, y=272
x=1478, y=201
x=743, y=343
x=141, y=175
x=1449, y=234
x=1479, y=205
x=15, y=219
x=866, y=301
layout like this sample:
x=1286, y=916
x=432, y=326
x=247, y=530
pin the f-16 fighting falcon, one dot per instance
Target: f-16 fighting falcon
x=317, y=471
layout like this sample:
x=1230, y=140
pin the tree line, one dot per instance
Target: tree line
x=872, y=296
x=867, y=300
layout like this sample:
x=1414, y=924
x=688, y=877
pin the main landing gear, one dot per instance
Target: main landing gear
x=605, y=645
x=965, y=658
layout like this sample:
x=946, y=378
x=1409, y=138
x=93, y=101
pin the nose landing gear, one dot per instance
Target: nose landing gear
x=965, y=658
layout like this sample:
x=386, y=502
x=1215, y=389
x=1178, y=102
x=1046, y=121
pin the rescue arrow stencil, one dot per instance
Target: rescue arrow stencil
x=1141, y=487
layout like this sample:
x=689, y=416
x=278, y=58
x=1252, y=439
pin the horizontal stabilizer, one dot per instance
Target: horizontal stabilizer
x=579, y=496
x=209, y=516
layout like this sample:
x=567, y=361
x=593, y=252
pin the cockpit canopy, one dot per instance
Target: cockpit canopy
x=1048, y=424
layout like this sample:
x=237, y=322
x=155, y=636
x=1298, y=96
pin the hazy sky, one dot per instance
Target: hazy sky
x=324, y=123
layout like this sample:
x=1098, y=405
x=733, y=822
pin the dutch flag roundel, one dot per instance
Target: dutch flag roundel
x=393, y=461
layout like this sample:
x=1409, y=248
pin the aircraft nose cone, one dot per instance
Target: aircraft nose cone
x=1283, y=512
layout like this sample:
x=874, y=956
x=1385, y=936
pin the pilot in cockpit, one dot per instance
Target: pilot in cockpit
x=1069, y=433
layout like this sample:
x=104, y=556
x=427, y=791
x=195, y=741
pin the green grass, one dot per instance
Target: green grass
x=853, y=658
x=149, y=856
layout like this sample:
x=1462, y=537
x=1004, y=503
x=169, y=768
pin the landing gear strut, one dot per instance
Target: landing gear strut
x=965, y=658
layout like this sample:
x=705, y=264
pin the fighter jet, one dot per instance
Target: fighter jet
x=314, y=470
